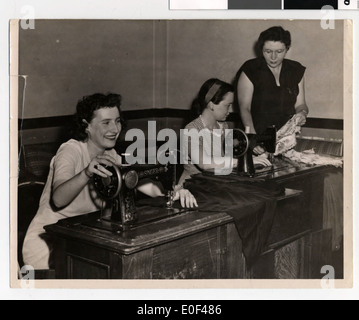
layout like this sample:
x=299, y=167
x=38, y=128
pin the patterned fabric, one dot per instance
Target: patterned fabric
x=286, y=136
x=311, y=158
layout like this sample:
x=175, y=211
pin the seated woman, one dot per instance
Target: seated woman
x=212, y=107
x=68, y=191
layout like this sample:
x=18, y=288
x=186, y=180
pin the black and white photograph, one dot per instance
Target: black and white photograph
x=182, y=150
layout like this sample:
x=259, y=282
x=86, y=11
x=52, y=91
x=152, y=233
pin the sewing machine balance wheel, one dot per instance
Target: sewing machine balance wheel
x=240, y=143
x=110, y=187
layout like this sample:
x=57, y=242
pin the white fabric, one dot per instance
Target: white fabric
x=71, y=158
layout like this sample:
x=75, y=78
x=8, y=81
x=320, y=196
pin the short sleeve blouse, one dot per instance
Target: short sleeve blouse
x=273, y=104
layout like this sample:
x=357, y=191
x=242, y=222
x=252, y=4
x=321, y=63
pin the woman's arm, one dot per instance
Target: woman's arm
x=183, y=195
x=245, y=91
x=301, y=107
x=64, y=192
x=150, y=189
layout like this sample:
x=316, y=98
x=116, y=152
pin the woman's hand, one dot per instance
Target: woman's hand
x=97, y=164
x=186, y=198
x=258, y=151
x=262, y=160
x=300, y=119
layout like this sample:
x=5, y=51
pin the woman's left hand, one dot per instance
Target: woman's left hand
x=186, y=198
x=301, y=119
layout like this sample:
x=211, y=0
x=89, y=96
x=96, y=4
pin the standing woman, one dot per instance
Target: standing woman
x=271, y=89
x=69, y=191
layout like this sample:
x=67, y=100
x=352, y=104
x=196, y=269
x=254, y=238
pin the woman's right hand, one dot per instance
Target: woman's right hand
x=262, y=160
x=97, y=164
x=186, y=198
x=258, y=150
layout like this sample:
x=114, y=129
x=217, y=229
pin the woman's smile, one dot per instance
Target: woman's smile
x=111, y=137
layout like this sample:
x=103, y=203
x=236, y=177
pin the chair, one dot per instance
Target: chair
x=29, y=194
x=34, y=165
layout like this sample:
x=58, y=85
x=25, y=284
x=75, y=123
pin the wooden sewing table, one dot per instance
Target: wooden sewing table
x=204, y=245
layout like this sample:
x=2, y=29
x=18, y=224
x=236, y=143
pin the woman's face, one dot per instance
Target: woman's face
x=223, y=109
x=105, y=128
x=274, y=53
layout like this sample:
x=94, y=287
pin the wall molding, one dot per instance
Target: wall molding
x=151, y=114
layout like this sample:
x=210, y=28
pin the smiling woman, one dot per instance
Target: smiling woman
x=100, y=126
x=69, y=188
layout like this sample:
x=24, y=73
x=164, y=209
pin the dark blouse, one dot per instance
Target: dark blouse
x=273, y=105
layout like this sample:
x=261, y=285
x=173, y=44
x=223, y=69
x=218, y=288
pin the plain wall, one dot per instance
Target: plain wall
x=65, y=60
x=203, y=49
x=162, y=64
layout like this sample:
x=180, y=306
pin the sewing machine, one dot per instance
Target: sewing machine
x=244, y=144
x=119, y=194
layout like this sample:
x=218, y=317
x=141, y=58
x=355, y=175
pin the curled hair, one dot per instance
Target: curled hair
x=201, y=103
x=274, y=34
x=86, y=108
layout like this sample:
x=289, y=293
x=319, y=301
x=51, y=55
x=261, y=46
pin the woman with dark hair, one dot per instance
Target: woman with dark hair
x=271, y=89
x=212, y=107
x=69, y=191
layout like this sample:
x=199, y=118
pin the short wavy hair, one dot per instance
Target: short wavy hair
x=86, y=108
x=274, y=34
